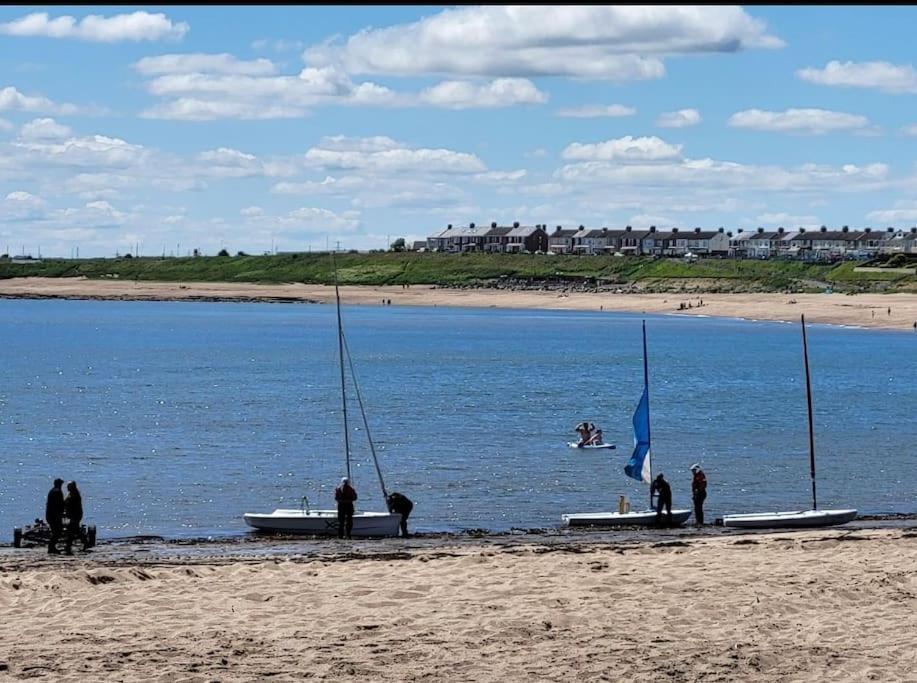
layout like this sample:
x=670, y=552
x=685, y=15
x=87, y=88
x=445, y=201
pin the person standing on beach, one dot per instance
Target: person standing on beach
x=73, y=507
x=54, y=514
x=345, y=495
x=698, y=493
x=661, y=487
x=398, y=503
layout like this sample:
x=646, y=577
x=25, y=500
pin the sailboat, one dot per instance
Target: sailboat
x=800, y=518
x=639, y=467
x=306, y=520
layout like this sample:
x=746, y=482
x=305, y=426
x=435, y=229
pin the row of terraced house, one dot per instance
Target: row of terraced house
x=820, y=244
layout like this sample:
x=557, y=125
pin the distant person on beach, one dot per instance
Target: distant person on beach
x=698, y=493
x=398, y=503
x=661, y=487
x=345, y=495
x=54, y=514
x=73, y=508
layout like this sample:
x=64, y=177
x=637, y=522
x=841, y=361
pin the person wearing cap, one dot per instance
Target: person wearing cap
x=698, y=493
x=345, y=495
x=54, y=514
x=661, y=487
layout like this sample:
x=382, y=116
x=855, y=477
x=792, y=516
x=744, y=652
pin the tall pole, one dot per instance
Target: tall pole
x=805, y=354
x=337, y=296
x=646, y=388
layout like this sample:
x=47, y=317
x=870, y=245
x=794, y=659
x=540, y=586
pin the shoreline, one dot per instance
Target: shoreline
x=870, y=311
x=822, y=604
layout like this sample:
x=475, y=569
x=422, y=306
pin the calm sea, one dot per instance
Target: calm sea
x=177, y=418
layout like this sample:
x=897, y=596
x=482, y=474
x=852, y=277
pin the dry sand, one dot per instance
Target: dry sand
x=832, y=605
x=866, y=310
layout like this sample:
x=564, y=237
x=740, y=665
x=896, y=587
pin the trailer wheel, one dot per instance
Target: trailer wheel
x=17, y=537
x=91, y=535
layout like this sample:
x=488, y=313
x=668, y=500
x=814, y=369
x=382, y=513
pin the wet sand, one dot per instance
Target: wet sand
x=833, y=605
x=861, y=310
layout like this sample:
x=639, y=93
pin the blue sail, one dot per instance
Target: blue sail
x=638, y=467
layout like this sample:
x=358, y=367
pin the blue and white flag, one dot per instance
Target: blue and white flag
x=638, y=467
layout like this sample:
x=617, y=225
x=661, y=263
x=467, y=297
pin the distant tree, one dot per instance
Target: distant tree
x=241, y=253
x=398, y=244
x=223, y=252
x=128, y=255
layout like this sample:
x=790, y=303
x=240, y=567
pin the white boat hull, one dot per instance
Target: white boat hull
x=324, y=522
x=644, y=518
x=789, y=520
x=573, y=444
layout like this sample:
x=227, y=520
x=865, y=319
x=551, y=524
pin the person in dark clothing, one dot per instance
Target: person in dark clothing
x=73, y=508
x=402, y=505
x=661, y=487
x=54, y=514
x=698, y=493
x=345, y=495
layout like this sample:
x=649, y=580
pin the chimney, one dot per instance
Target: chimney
x=674, y=230
x=760, y=231
x=652, y=228
x=868, y=230
x=824, y=229
x=720, y=230
x=582, y=227
x=494, y=224
x=914, y=231
x=628, y=228
x=801, y=230
x=729, y=234
x=780, y=231
x=845, y=229
x=471, y=225
x=449, y=227
x=516, y=224
x=604, y=231
x=697, y=231
x=741, y=230
x=891, y=230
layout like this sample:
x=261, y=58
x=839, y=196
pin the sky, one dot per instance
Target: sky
x=158, y=131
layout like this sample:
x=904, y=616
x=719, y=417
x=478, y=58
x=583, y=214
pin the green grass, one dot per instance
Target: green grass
x=475, y=270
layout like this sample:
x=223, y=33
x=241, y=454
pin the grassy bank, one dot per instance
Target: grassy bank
x=471, y=270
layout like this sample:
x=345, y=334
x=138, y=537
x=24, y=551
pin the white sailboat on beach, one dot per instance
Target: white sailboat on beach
x=799, y=518
x=325, y=522
x=639, y=467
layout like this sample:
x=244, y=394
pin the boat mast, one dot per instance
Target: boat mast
x=646, y=388
x=337, y=296
x=805, y=354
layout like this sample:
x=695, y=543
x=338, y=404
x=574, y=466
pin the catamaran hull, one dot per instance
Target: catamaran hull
x=324, y=522
x=789, y=520
x=645, y=518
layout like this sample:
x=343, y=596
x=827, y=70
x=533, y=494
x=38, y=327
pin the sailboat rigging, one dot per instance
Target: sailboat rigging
x=801, y=518
x=325, y=522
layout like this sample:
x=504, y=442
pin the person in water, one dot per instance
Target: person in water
x=398, y=503
x=661, y=487
x=584, y=429
x=596, y=439
x=73, y=508
x=345, y=495
x=698, y=493
x=54, y=514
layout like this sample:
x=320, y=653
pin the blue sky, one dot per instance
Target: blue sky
x=303, y=126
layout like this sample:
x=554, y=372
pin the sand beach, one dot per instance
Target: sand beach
x=860, y=310
x=817, y=605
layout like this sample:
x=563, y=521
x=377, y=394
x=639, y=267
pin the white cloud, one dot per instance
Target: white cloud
x=96, y=151
x=592, y=111
x=884, y=76
x=390, y=159
x=12, y=99
x=624, y=149
x=503, y=92
x=787, y=219
x=6, y=125
x=811, y=121
x=44, y=129
x=909, y=129
x=600, y=42
x=679, y=119
x=904, y=211
x=498, y=177
x=305, y=221
x=222, y=63
x=193, y=109
x=120, y=27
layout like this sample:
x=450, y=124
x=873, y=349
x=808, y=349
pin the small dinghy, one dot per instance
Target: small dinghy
x=573, y=444
x=789, y=520
x=643, y=518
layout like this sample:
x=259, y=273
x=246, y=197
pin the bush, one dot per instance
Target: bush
x=223, y=252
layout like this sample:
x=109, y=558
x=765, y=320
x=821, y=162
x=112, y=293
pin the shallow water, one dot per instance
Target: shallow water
x=175, y=417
